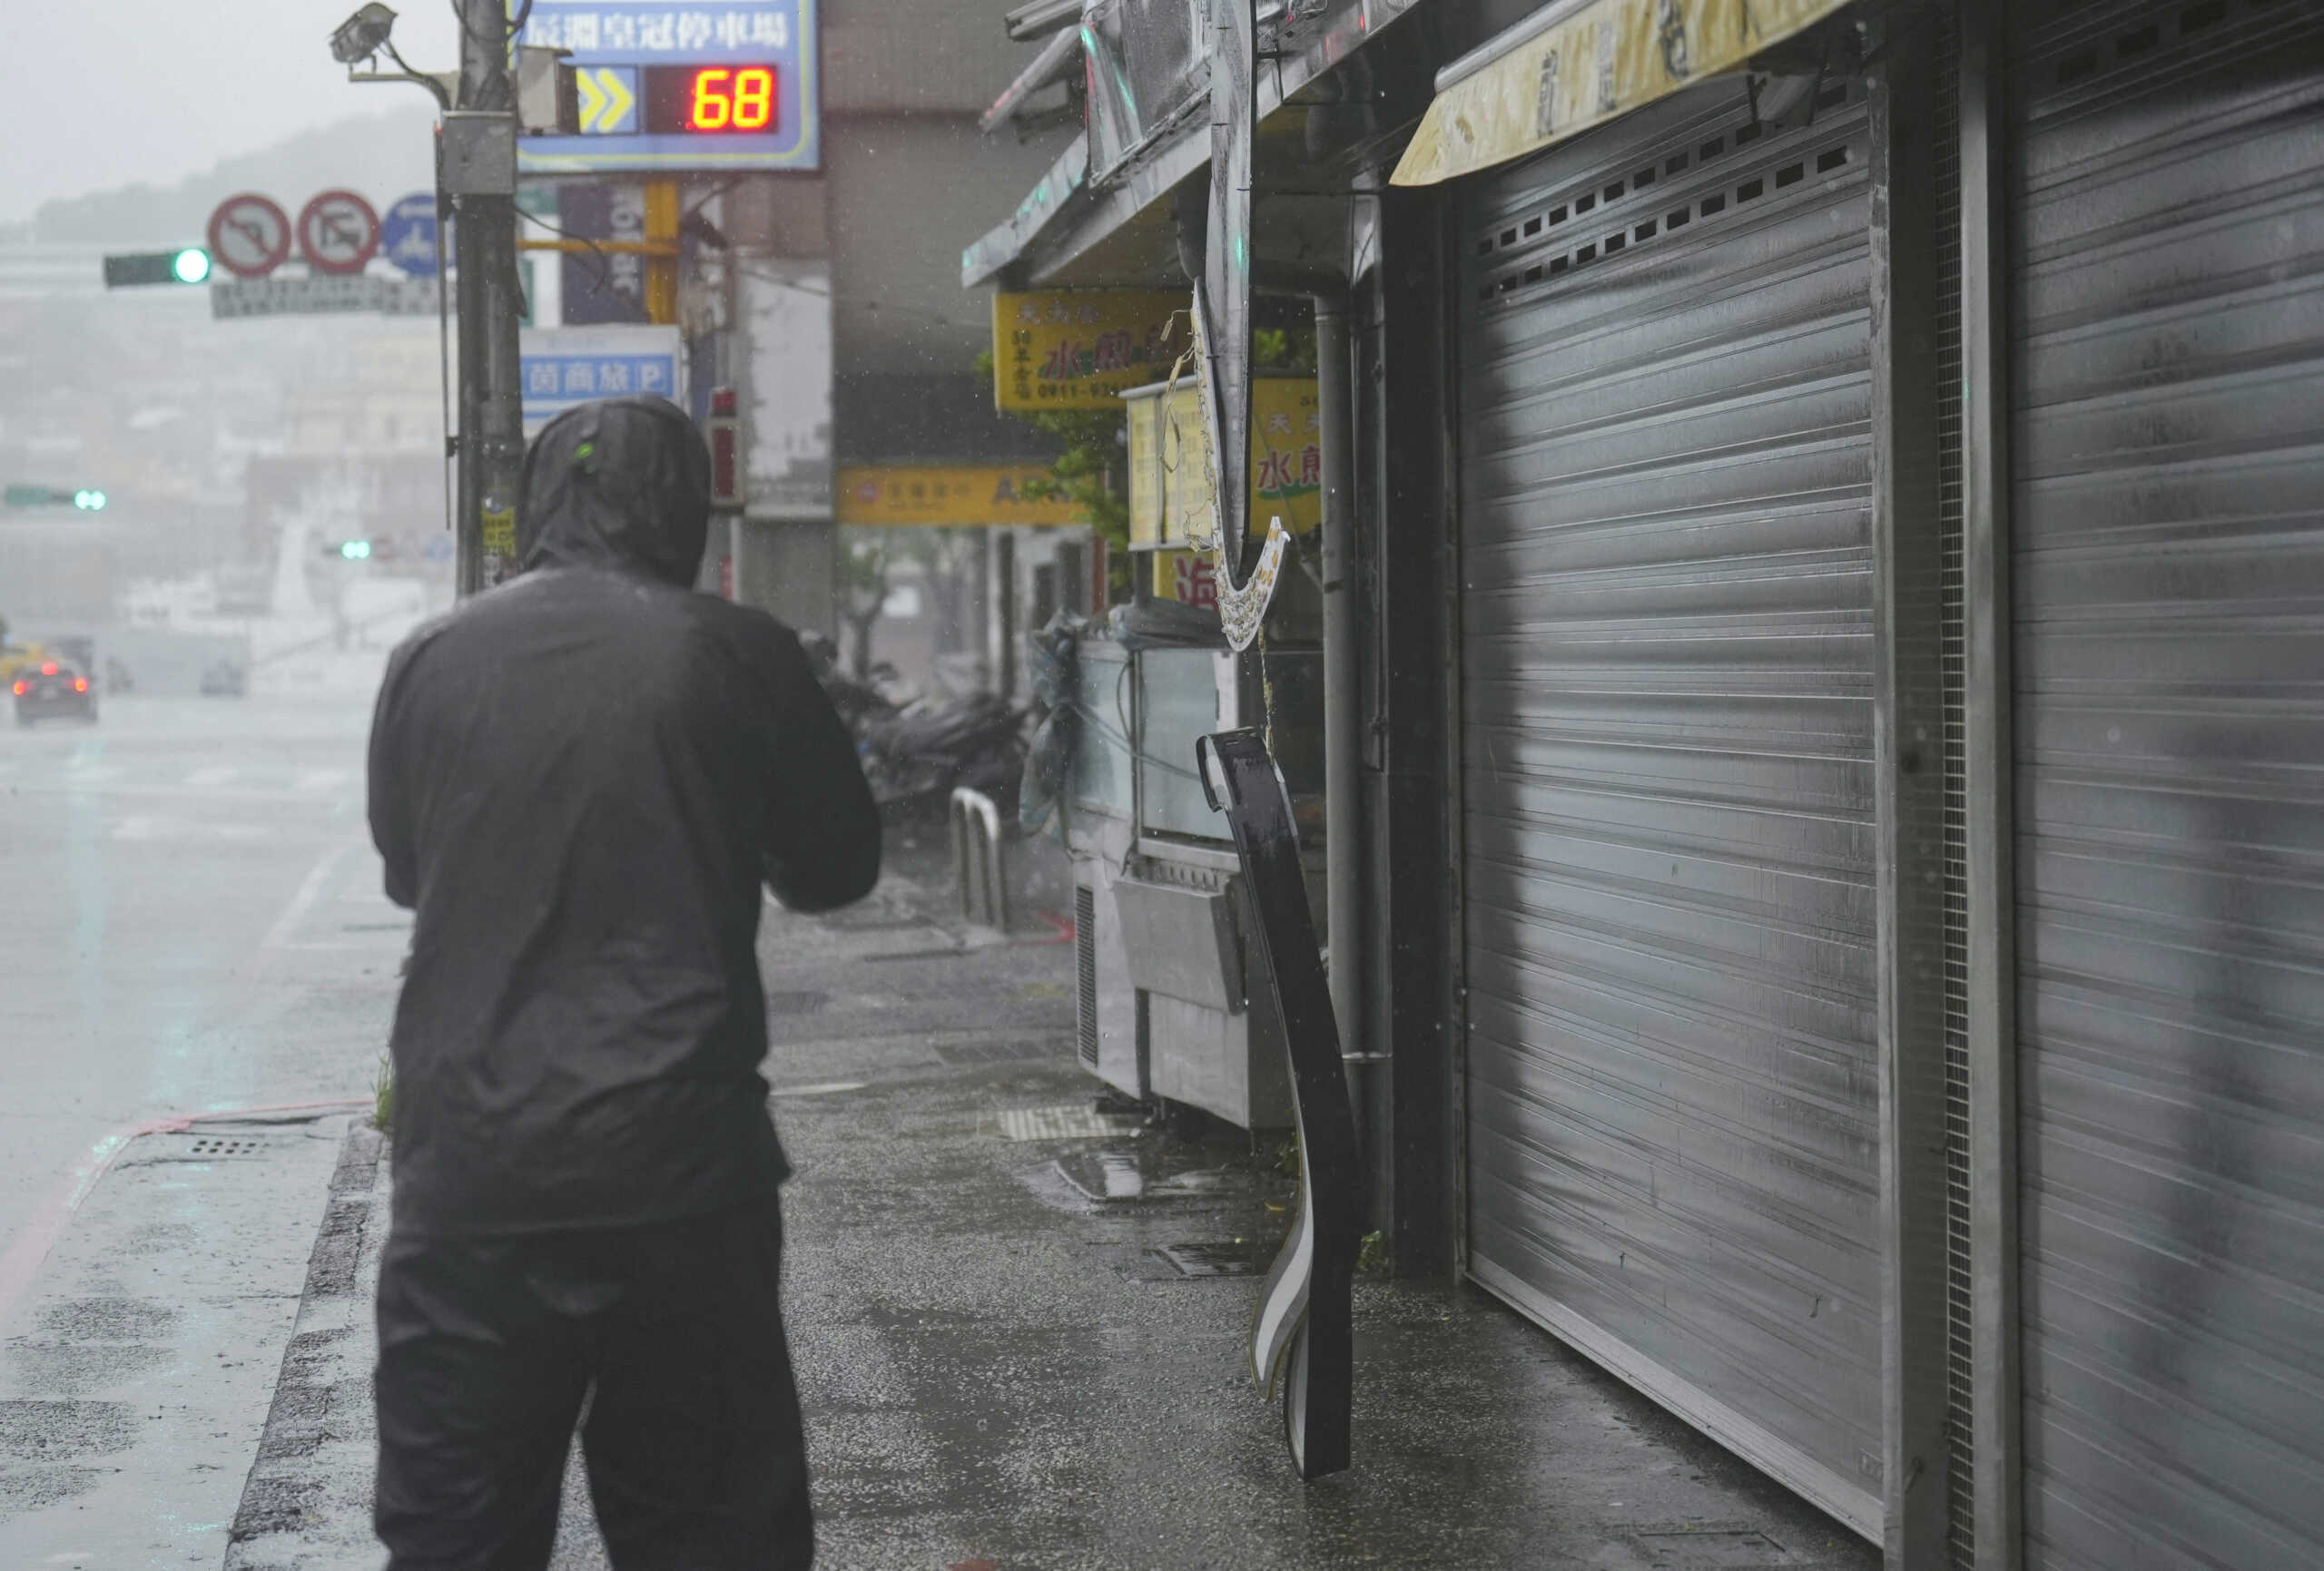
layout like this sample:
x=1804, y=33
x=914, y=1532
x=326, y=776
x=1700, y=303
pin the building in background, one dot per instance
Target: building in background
x=828, y=298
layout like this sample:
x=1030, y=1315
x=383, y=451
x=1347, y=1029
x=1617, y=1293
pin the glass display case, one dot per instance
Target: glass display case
x=1102, y=777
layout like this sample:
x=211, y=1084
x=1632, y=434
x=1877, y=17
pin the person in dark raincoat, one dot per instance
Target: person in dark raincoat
x=580, y=780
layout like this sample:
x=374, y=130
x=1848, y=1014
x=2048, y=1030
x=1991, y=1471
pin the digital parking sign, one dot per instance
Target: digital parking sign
x=673, y=86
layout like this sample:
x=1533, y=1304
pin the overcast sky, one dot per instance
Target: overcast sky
x=96, y=95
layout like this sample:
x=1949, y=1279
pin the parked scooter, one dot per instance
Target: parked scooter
x=916, y=751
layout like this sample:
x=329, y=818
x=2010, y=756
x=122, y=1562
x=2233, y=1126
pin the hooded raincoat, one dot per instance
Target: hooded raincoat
x=580, y=780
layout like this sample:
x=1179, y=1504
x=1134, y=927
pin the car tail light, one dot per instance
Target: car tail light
x=48, y=670
x=80, y=684
x=20, y=688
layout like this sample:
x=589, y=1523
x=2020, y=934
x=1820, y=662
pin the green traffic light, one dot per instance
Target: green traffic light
x=89, y=501
x=190, y=266
x=355, y=550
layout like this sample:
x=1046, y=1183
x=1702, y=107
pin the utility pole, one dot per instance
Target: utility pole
x=479, y=153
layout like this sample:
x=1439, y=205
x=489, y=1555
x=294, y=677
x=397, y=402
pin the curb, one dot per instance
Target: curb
x=306, y=1502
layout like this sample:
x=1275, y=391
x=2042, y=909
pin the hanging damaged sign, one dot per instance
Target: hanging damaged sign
x=1574, y=66
x=1223, y=328
x=1241, y=604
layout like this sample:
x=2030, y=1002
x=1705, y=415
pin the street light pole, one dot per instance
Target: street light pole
x=480, y=134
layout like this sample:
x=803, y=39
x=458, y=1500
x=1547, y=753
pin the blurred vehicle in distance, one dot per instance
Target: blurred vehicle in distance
x=52, y=688
x=224, y=679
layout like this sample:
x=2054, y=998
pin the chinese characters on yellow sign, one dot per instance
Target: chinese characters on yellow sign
x=1169, y=483
x=1080, y=350
x=947, y=494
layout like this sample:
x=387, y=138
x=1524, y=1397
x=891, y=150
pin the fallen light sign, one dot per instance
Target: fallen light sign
x=677, y=85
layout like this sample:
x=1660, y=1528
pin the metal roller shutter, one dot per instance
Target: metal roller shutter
x=2168, y=303
x=1668, y=795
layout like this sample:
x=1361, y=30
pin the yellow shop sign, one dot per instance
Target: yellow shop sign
x=1080, y=349
x=946, y=493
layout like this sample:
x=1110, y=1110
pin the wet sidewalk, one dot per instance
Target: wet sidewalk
x=1021, y=1327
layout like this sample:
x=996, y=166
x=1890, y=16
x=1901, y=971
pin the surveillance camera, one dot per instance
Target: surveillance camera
x=360, y=36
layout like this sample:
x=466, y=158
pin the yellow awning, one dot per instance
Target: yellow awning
x=1581, y=62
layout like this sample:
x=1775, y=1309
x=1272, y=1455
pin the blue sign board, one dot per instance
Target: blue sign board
x=669, y=86
x=560, y=367
x=408, y=235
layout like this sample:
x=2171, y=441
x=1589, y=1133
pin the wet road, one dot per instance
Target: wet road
x=189, y=921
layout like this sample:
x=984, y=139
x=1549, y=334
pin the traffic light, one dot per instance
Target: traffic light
x=189, y=265
x=349, y=550
x=88, y=499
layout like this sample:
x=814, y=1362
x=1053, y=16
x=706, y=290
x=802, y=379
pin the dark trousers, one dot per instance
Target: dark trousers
x=674, y=1335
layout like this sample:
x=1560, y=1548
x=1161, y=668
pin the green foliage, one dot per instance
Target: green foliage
x=383, y=1096
x=1085, y=474
x=1371, y=1254
x=1291, y=349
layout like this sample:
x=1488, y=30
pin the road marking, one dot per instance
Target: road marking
x=825, y=1088
x=211, y=775
x=310, y=891
x=321, y=780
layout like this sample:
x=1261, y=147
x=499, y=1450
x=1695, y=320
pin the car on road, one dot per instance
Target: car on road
x=51, y=688
x=224, y=679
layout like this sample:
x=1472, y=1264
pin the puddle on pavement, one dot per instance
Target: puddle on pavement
x=1114, y=1177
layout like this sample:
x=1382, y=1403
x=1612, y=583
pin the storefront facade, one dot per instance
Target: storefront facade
x=1839, y=665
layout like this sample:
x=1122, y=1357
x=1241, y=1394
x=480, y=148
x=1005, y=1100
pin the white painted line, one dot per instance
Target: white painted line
x=321, y=780
x=210, y=775
x=826, y=1088
x=310, y=891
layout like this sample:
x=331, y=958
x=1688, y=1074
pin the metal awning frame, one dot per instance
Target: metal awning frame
x=1058, y=61
x=1052, y=227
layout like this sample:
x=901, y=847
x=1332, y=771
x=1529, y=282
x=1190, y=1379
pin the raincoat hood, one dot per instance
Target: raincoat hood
x=620, y=484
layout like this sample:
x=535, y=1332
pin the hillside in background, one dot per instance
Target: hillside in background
x=385, y=155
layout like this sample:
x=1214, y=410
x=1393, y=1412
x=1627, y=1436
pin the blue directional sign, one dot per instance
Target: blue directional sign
x=560, y=367
x=408, y=235
x=680, y=86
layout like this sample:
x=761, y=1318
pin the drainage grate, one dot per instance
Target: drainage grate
x=1085, y=959
x=1237, y=1257
x=209, y=1145
x=1077, y=1122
